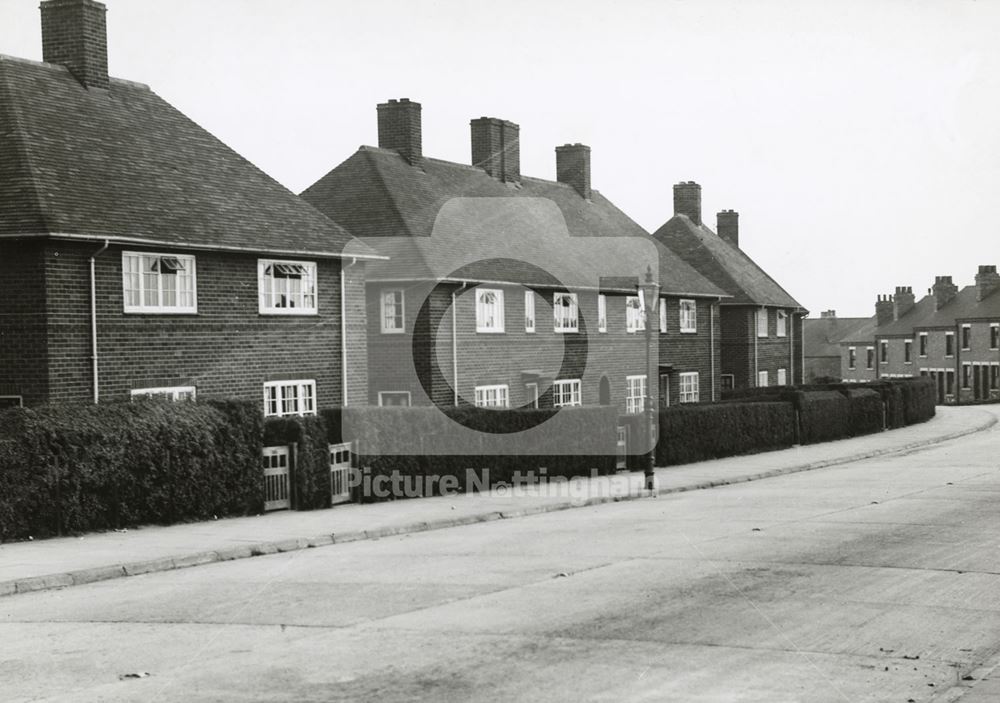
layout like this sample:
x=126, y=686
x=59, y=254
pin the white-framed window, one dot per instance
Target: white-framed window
x=883, y=352
x=762, y=322
x=159, y=283
x=994, y=335
x=762, y=379
x=602, y=313
x=949, y=344
x=728, y=381
x=565, y=312
x=782, y=377
x=391, y=311
x=492, y=396
x=286, y=287
x=566, y=393
x=635, y=319
x=870, y=358
x=852, y=358
x=529, y=311
x=782, y=322
x=289, y=398
x=966, y=337
x=908, y=351
x=11, y=401
x=689, y=316
x=531, y=391
x=688, y=387
x=174, y=393
x=663, y=316
x=635, y=393
x=923, y=344
x=489, y=310
x=394, y=399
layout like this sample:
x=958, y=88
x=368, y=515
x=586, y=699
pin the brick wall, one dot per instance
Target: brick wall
x=23, y=348
x=228, y=349
x=896, y=365
x=744, y=354
x=982, y=358
x=861, y=372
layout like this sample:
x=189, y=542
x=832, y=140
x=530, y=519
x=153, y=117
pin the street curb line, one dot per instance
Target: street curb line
x=104, y=573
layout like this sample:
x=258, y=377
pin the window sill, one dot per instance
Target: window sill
x=393, y=331
x=479, y=331
x=160, y=311
x=558, y=331
x=296, y=313
x=687, y=332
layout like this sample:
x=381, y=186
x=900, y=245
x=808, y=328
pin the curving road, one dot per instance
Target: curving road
x=874, y=581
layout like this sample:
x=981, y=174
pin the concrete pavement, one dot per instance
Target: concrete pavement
x=57, y=563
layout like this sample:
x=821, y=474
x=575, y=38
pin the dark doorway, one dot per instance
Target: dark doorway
x=604, y=392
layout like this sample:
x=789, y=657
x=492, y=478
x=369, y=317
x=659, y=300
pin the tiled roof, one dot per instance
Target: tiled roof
x=822, y=337
x=863, y=334
x=123, y=164
x=963, y=302
x=722, y=263
x=988, y=308
x=438, y=219
x=919, y=314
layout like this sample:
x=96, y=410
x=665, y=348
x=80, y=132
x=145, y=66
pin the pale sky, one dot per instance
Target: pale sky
x=859, y=140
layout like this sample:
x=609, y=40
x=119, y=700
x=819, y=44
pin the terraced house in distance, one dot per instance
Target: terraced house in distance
x=761, y=324
x=139, y=255
x=506, y=290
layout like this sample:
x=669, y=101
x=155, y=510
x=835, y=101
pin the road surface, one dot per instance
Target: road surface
x=875, y=581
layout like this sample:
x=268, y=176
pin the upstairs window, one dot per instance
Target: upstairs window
x=923, y=344
x=949, y=344
x=908, y=351
x=287, y=287
x=995, y=336
x=489, y=310
x=883, y=352
x=762, y=322
x=158, y=283
x=966, y=337
x=391, y=313
x=782, y=326
x=529, y=311
x=870, y=365
x=565, y=312
x=662, y=309
x=289, y=398
x=635, y=392
x=602, y=313
x=635, y=320
x=852, y=358
x=689, y=316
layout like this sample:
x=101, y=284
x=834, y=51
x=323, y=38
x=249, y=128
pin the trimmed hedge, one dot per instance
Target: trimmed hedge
x=866, y=411
x=823, y=416
x=71, y=469
x=697, y=432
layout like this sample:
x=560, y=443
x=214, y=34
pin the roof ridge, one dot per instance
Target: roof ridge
x=19, y=138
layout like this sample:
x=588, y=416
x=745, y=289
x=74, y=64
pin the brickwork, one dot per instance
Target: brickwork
x=744, y=354
x=23, y=348
x=74, y=34
x=227, y=349
x=980, y=382
x=399, y=128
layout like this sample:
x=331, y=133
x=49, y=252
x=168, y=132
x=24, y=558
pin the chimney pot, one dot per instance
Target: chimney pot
x=573, y=167
x=687, y=200
x=75, y=35
x=399, y=128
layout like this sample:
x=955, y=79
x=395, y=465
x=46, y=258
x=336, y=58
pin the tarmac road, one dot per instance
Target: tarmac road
x=873, y=581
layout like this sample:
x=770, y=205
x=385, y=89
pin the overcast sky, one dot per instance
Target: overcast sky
x=859, y=140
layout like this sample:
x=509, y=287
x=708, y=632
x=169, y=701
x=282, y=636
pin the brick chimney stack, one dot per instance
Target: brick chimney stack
x=944, y=290
x=903, y=301
x=399, y=128
x=884, y=310
x=496, y=148
x=573, y=167
x=828, y=314
x=687, y=200
x=987, y=281
x=728, y=226
x=75, y=35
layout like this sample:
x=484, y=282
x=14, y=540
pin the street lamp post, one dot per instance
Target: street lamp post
x=649, y=299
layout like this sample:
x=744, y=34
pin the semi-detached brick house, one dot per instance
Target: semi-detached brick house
x=761, y=323
x=502, y=289
x=821, y=340
x=139, y=255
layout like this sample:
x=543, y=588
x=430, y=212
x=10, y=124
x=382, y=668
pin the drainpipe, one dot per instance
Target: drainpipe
x=93, y=319
x=711, y=344
x=756, y=342
x=343, y=326
x=791, y=350
x=454, y=341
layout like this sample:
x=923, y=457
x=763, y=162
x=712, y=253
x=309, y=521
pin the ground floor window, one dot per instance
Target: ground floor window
x=10, y=401
x=174, y=393
x=782, y=377
x=289, y=398
x=762, y=379
x=728, y=381
x=394, y=398
x=995, y=377
x=566, y=393
x=531, y=391
x=950, y=383
x=635, y=393
x=689, y=387
x=966, y=375
x=492, y=396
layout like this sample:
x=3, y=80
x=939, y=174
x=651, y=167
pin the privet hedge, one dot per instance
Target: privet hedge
x=76, y=468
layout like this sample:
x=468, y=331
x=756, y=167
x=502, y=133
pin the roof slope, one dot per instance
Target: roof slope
x=822, y=337
x=987, y=308
x=124, y=164
x=722, y=263
x=437, y=219
x=922, y=311
x=959, y=306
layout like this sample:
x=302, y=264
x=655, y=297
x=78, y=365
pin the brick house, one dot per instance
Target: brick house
x=821, y=342
x=507, y=290
x=977, y=329
x=761, y=323
x=140, y=256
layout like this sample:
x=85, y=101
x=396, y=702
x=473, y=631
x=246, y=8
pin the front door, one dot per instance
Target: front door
x=939, y=376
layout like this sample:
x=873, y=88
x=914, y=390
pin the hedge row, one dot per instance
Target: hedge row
x=79, y=468
x=418, y=447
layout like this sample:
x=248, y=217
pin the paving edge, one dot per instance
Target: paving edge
x=104, y=573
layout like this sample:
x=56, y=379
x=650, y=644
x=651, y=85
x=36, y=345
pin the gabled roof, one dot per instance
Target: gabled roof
x=918, y=315
x=822, y=337
x=724, y=264
x=961, y=304
x=439, y=220
x=987, y=308
x=862, y=334
x=125, y=165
